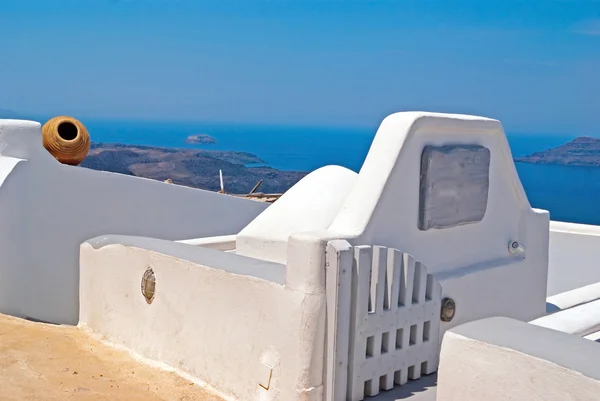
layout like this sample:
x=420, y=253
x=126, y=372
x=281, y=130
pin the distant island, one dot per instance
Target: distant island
x=191, y=167
x=582, y=151
x=201, y=139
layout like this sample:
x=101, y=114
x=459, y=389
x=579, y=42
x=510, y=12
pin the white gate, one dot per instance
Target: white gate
x=383, y=320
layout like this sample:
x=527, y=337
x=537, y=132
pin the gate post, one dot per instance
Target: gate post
x=338, y=279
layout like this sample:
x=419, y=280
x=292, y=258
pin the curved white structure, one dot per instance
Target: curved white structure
x=312, y=204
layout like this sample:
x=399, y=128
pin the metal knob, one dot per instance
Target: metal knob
x=514, y=247
x=448, y=309
x=148, y=285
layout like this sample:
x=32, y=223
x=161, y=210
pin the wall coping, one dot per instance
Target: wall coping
x=229, y=262
x=566, y=350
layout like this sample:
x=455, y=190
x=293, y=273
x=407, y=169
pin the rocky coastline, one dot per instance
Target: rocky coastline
x=191, y=167
x=581, y=151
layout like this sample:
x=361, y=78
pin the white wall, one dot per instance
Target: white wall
x=574, y=256
x=502, y=359
x=383, y=207
x=581, y=320
x=223, y=318
x=12, y=232
x=48, y=209
x=471, y=261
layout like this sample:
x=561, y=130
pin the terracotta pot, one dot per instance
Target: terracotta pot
x=67, y=139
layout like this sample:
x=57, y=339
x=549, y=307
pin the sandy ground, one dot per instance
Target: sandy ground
x=47, y=362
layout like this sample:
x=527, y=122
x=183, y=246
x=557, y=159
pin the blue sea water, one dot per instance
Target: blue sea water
x=570, y=193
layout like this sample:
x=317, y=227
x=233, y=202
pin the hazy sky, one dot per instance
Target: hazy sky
x=533, y=64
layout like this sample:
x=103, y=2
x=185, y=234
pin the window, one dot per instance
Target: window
x=454, y=185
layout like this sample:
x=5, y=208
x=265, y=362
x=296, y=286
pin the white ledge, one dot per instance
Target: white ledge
x=574, y=228
x=580, y=320
x=212, y=258
x=221, y=242
x=576, y=297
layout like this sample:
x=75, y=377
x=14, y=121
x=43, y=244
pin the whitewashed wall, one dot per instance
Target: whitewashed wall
x=383, y=206
x=252, y=329
x=502, y=359
x=48, y=209
x=574, y=256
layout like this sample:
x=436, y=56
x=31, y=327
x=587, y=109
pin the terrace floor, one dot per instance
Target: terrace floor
x=47, y=362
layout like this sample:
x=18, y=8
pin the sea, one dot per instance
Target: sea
x=570, y=193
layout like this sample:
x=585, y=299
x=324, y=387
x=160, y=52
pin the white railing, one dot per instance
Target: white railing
x=383, y=324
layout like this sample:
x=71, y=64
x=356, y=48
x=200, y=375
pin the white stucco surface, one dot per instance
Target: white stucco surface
x=580, y=320
x=221, y=242
x=574, y=256
x=593, y=336
x=7, y=164
x=220, y=317
x=48, y=209
x=383, y=206
x=310, y=205
x=502, y=359
x=569, y=299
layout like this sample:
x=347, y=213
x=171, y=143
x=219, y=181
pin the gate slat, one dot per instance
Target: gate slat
x=420, y=283
x=378, y=287
x=407, y=280
x=360, y=303
x=339, y=296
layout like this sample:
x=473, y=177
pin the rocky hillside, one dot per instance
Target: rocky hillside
x=191, y=167
x=582, y=151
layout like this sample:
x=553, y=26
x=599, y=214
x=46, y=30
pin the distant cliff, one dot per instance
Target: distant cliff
x=191, y=167
x=582, y=151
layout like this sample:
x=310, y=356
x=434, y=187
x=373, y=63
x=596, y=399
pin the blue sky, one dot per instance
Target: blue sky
x=533, y=64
